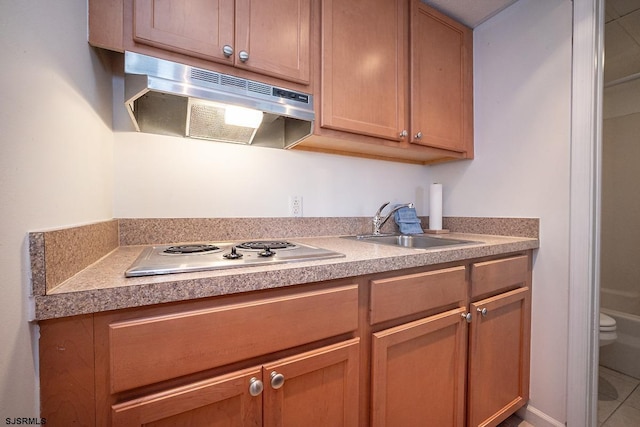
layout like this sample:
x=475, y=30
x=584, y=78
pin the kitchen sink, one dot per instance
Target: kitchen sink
x=419, y=241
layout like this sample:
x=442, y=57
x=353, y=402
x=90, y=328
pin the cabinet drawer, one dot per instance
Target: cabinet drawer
x=405, y=295
x=157, y=348
x=494, y=276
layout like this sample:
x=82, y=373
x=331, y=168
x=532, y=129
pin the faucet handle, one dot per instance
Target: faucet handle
x=382, y=207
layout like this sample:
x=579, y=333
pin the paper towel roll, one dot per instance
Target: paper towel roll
x=435, y=207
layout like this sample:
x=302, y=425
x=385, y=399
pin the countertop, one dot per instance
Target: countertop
x=102, y=286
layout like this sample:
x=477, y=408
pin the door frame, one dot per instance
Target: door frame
x=584, y=237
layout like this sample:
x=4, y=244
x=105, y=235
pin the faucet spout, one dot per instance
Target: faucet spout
x=379, y=220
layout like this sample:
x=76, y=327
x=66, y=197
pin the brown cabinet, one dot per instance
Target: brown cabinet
x=268, y=37
x=499, y=341
x=464, y=363
x=418, y=368
x=316, y=388
x=364, y=67
x=441, y=90
x=418, y=372
x=428, y=346
x=396, y=82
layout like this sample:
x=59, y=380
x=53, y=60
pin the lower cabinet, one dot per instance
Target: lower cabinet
x=316, y=388
x=499, y=356
x=418, y=373
x=466, y=362
x=444, y=347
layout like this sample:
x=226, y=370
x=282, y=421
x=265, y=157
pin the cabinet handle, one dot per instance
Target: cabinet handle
x=277, y=380
x=482, y=311
x=255, y=386
x=243, y=55
x=227, y=51
x=466, y=316
x=418, y=135
x=404, y=134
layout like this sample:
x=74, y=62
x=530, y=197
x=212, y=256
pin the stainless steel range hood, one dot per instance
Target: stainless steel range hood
x=168, y=98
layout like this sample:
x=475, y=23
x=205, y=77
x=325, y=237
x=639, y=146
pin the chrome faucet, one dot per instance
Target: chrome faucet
x=378, y=220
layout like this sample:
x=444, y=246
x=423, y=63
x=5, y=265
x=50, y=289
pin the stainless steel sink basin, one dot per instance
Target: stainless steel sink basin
x=419, y=241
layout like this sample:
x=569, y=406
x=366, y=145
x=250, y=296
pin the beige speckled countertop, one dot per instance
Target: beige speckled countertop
x=102, y=286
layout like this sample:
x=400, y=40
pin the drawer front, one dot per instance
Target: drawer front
x=494, y=276
x=401, y=296
x=157, y=348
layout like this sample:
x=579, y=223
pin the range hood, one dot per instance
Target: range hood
x=168, y=98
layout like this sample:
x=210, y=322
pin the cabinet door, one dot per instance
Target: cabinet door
x=199, y=28
x=275, y=35
x=315, y=389
x=441, y=81
x=364, y=67
x=499, y=343
x=418, y=372
x=219, y=402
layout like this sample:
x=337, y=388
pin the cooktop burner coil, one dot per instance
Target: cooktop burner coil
x=264, y=244
x=190, y=249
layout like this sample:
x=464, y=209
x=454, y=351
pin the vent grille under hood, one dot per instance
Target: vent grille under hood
x=168, y=98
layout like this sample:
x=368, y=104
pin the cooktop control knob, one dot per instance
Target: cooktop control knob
x=267, y=252
x=233, y=254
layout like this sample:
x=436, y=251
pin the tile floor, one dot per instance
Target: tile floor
x=514, y=421
x=618, y=399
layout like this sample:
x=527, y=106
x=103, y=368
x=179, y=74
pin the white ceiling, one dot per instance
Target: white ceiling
x=621, y=39
x=470, y=12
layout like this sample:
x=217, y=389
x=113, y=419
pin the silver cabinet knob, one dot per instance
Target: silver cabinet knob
x=227, y=51
x=418, y=135
x=404, y=133
x=255, y=386
x=277, y=380
x=243, y=55
x=467, y=317
x=482, y=311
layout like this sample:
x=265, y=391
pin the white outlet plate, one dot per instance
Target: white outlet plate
x=295, y=206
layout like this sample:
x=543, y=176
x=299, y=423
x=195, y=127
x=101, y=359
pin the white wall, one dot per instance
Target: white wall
x=56, y=161
x=158, y=176
x=522, y=77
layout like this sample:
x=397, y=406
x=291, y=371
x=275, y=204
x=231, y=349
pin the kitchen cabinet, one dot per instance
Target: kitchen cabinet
x=439, y=345
x=396, y=82
x=441, y=90
x=364, y=67
x=499, y=340
x=316, y=388
x=419, y=367
x=271, y=38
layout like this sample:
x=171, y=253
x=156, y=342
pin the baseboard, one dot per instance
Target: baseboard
x=538, y=418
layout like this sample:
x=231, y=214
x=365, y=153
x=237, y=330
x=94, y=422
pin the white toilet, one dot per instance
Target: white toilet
x=607, y=330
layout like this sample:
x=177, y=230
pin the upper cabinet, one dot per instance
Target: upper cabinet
x=272, y=38
x=391, y=79
x=441, y=91
x=395, y=82
x=364, y=67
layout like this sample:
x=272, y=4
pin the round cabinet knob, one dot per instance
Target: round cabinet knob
x=227, y=51
x=255, y=386
x=277, y=380
x=418, y=135
x=404, y=133
x=467, y=317
x=243, y=55
x=482, y=311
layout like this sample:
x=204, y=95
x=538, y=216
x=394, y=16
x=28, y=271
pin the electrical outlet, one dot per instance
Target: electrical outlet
x=295, y=206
